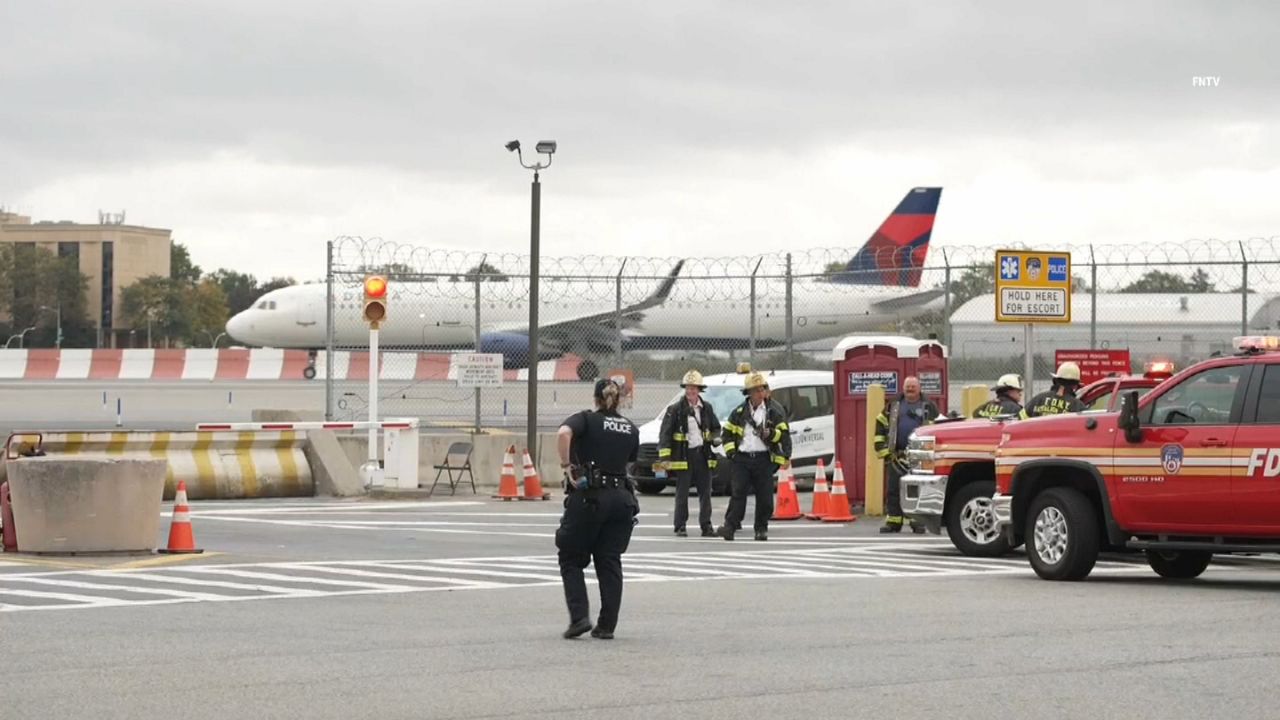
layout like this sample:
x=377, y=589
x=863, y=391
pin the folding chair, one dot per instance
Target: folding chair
x=456, y=460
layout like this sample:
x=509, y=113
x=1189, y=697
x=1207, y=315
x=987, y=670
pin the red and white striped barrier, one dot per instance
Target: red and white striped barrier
x=258, y=364
x=398, y=424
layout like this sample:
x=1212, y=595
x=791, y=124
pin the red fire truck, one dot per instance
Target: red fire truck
x=1188, y=471
x=952, y=474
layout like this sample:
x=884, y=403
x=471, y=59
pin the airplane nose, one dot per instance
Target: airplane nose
x=237, y=326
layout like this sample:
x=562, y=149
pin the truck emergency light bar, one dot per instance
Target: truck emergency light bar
x=1158, y=369
x=1257, y=343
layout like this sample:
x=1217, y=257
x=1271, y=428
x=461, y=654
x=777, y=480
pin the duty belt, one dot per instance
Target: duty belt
x=607, y=481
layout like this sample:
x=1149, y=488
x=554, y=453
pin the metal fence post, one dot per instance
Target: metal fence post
x=790, y=314
x=946, y=299
x=1244, y=292
x=617, y=313
x=1093, y=300
x=328, y=332
x=477, y=332
x=751, y=353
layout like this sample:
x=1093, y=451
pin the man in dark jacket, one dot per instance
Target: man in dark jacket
x=1008, y=399
x=1061, y=398
x=689, y=429
x=757, y=442
x=894, y=426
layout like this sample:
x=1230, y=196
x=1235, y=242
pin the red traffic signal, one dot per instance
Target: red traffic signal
x=375, y=299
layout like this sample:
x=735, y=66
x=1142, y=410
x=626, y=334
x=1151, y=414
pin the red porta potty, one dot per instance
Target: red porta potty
x=861, y=361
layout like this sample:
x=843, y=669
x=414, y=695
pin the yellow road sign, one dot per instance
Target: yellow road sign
x=1033, y=286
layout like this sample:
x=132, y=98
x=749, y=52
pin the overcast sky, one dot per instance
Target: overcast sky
x=258, y=130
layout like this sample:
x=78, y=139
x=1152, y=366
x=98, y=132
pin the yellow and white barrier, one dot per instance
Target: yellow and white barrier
x=215, y=465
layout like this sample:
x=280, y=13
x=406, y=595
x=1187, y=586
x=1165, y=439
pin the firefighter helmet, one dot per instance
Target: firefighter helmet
x=1010, y=381
x=1068, y=371
x=693, y=377
x=753, y=381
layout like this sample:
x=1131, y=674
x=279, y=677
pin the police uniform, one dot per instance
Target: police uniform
x=1003, y=405
x=757, y=441
x=599, y=513
x=893, y=426
x=1051, y=402
x=684, y=447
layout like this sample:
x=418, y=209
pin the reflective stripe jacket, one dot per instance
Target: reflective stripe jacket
x=673, y=440
x=1002, y=405
x=775, y=433
x=886, y=437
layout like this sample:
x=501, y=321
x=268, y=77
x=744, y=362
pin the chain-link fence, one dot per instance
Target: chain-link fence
x=657, y=317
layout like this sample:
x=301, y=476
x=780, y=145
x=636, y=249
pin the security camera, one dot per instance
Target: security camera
x=546, y=146
x=513, y=146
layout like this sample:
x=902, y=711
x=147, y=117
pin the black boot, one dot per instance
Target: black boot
x=725, y=532
x=890, y=528
x=577, y=628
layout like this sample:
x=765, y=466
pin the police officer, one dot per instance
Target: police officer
x=757, y=442
x=1008, y=399
x=1061, y=398
x=894, y=426
x=689, y=429
x=599, y=508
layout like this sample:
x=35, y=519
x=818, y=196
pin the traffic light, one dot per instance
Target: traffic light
x=375, y=299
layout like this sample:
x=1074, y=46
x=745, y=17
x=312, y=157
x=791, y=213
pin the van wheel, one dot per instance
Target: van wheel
x=1062, y=535
x=1178, y=564
x=971, y=523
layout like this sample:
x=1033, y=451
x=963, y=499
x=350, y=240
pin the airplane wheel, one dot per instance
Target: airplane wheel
x=588, y=370
x=309, y=372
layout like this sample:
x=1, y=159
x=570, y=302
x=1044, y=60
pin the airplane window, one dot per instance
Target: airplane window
x=262, y=305
x=271, y=305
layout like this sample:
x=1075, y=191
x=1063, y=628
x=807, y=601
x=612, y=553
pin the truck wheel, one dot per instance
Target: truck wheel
x=651, y=487
x=1062, y=535
x=1178, y=564
x=972, y=525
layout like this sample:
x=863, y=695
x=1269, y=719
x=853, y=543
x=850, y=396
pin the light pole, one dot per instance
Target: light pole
x=548, y=148
x=58, y=311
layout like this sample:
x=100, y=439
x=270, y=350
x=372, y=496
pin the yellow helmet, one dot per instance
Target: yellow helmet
x=1068, y=371
x=693, y=377
x=752, y=381
x=744, y=368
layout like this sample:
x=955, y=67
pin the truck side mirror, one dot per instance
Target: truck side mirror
x=1128, y=420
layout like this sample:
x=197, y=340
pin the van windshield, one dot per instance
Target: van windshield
x=723, y=399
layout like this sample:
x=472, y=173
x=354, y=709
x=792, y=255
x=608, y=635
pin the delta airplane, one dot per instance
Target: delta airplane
x=877, y=286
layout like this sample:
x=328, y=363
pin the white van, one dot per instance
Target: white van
x=806, y=395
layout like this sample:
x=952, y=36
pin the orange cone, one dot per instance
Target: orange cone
x=821, y=495
x=507, y=488
x=181, y=538
x=532, y=483
x=788, y=504
x=839, y=510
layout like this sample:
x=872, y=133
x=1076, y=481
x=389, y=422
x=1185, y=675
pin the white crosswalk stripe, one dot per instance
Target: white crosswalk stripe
x=224, y=582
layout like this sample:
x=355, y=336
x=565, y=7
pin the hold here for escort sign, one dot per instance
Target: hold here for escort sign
x=1033, y=287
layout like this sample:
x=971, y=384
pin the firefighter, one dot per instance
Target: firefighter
x=689, y=429
x=757, y=442
x=1008, y=399
x=1061, y=398
x=894, y=426
x=600, y=508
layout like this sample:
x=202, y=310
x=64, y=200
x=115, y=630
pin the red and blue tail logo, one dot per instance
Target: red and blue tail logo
x=895, y=254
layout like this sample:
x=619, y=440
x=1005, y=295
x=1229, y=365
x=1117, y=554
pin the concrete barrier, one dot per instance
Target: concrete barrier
x=216, y=466
x=85, y=504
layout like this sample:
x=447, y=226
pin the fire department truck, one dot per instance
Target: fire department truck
x=952, y=475
x=1188, y=471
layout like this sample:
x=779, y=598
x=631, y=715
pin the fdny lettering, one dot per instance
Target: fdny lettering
x=1265, y=459
x=618, y=426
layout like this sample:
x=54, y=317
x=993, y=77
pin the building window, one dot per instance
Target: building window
x=108, y=285
x=69, y=249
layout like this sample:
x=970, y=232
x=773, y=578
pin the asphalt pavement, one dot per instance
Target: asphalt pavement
x=453, y=609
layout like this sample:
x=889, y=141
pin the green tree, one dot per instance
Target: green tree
x=35, y=285
x=207, y=305
x=275, y=284
x=485, y=272
x=974, y=281
x=160, y=304
x=180, y=266
x=1158, y=281
x=239, y=289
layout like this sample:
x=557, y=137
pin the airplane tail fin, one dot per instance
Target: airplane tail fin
x=895, y=254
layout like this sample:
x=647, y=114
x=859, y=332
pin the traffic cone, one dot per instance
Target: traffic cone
x=788, y=505
x=532, y=483
x=181, y=538
x=821, y=495
x=507, y=488
x=839, y=510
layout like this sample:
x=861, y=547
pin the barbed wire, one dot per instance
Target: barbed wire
x=503, y=275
